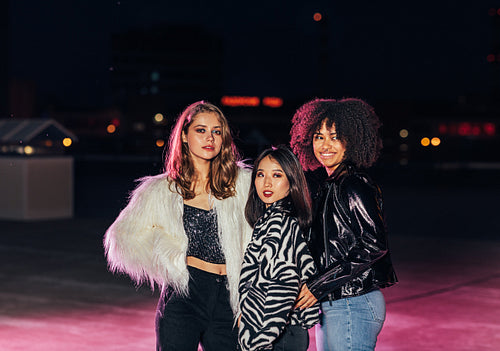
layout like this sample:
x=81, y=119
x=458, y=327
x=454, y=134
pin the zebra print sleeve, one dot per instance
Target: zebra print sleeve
x=308, y=317
x=270, y=281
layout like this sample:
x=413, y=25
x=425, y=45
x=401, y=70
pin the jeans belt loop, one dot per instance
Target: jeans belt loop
x=330, y=298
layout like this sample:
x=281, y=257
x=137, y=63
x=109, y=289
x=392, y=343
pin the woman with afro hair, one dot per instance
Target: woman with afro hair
x=348, y=237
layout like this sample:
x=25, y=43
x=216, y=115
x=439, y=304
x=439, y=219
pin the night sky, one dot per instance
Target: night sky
x=376, y=49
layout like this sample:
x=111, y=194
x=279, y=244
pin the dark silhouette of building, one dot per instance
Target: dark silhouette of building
x=4, y=58
x=162, y=69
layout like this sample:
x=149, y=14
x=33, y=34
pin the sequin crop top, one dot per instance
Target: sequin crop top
x=201, y=229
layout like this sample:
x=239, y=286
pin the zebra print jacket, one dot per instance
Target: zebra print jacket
x=276, y=263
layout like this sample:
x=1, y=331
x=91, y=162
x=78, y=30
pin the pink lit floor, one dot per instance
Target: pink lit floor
x=61, y=297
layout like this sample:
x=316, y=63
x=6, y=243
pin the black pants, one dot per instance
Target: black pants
x=205, y=316
x=294, y=338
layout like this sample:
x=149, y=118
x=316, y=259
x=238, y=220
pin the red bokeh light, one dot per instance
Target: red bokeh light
x=272, y=101
x=476, y=130
x=490, y=58
x=464, y=129
x=442, y=128
x=489, y=129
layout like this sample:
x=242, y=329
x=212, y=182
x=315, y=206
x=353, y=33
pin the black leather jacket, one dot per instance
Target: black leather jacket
x=348, y=238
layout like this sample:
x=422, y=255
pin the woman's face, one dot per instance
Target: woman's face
x=329, y=150
x=204, y=137
x=270, y=181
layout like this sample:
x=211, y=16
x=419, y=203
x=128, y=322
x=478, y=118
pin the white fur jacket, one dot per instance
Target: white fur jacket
x=147, y=240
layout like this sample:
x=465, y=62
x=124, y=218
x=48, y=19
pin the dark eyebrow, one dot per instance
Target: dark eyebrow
x=274, y=170
x=318, y=132
x=205, y=126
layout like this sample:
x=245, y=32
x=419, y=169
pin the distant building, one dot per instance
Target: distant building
x=36, y=178
x=33, y=137
x=164, y=68
x=4, y=58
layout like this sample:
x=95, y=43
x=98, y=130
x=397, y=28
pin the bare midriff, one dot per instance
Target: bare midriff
x=214, y=268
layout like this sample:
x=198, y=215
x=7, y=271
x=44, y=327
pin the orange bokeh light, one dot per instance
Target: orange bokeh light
x=317, y=16
x=67, y=142
x=111, y=128
x=435, y=141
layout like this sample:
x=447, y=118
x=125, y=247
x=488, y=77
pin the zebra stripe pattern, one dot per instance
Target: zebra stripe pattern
x=276, y=262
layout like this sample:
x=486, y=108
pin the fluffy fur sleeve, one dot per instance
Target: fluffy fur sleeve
x=243, y=186
x=147, y=240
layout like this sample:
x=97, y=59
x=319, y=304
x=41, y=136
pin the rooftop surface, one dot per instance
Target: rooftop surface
x=56, y=293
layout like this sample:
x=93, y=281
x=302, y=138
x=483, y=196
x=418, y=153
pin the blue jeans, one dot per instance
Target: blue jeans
x=352, y=323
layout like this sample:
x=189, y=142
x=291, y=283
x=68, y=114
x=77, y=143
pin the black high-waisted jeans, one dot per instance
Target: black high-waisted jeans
x=205, y=316
x=294, y=338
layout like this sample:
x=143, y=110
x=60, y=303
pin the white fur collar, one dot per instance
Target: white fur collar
x=147, y=240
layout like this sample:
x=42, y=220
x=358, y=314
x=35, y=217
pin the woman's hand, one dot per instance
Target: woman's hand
x=305, y=299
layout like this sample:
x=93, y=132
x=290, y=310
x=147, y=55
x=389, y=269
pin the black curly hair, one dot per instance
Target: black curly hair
x=356, y=125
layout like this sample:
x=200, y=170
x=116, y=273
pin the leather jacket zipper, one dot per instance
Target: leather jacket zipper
x=325, y=241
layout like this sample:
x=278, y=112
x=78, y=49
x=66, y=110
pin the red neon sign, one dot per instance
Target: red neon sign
x=272, y=101
x=240, y=101
x=251, y=101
